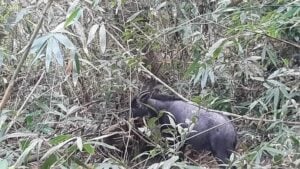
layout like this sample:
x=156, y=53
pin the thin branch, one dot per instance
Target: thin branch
x=281, y=40
x=19, y=112
x=23, y=58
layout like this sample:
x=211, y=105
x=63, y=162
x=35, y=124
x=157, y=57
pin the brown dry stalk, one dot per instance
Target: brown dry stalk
x=23, y=58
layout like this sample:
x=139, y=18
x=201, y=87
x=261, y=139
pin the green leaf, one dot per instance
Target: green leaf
x=57, y=52
x=24, y=144
x=105, y=145
x=39, y=52
x=59, y=139
x=253, y=104
x=23, y=12
x=171, y=118
x=152, y=122
x=72, y=149
x=275, y=83
x=73, y=5
x=77, y=63
x=211, y=76
x=73, y=109
x=39, y=43
x=73, y=16
x=89, y=149
x=132, y=17
x=194, y=66
x=295, y=140
x=263, y=104
x=263, y=53
x=49, y=162
x=55, y=148
x=65, y=41
x=16, y=135
x=49, y=53
x=276, y=98
x=284, y=92
x=26, y=152
x=274, y=151
x=199, y=74
x=76, y=67
x=294, y=11
x=272, y=57
x=215, y=50
x=102, y=36
x=204, y=78
x=269, y=95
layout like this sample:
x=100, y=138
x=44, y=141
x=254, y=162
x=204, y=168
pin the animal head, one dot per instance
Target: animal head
x=149, y=104
x=139, y=106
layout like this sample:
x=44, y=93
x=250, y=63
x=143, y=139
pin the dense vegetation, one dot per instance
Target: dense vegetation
x=68, y=71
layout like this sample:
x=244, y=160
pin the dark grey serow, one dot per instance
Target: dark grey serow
x=221, y=141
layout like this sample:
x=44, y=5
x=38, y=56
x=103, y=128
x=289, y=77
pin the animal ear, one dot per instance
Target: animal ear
x=144, y=96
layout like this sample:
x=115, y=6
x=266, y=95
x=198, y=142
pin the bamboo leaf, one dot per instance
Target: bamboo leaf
x=57, y=52
x=26, y=152
x=56, y=148
x=276, y=98
x=16, y=135
x=102, y=36
x=204, y=78
x=49, y=162
x=49, y=53
x=59, y=139
x=79, y=143
x=89, y=149
x=216, y=48
x=92, y=33
x=73, y=16
x=211, y=76
x=132, y=17
x=65, y=41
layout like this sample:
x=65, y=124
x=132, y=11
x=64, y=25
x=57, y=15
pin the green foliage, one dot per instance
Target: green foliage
x=278, y=148
x=50, y=44
x=242, y=58
x=6, y=10
x=89, y=149
x=58, y=139
x=52, y=159
x=73, y=16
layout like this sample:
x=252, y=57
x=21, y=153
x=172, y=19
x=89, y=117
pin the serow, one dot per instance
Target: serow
x=212, y=131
